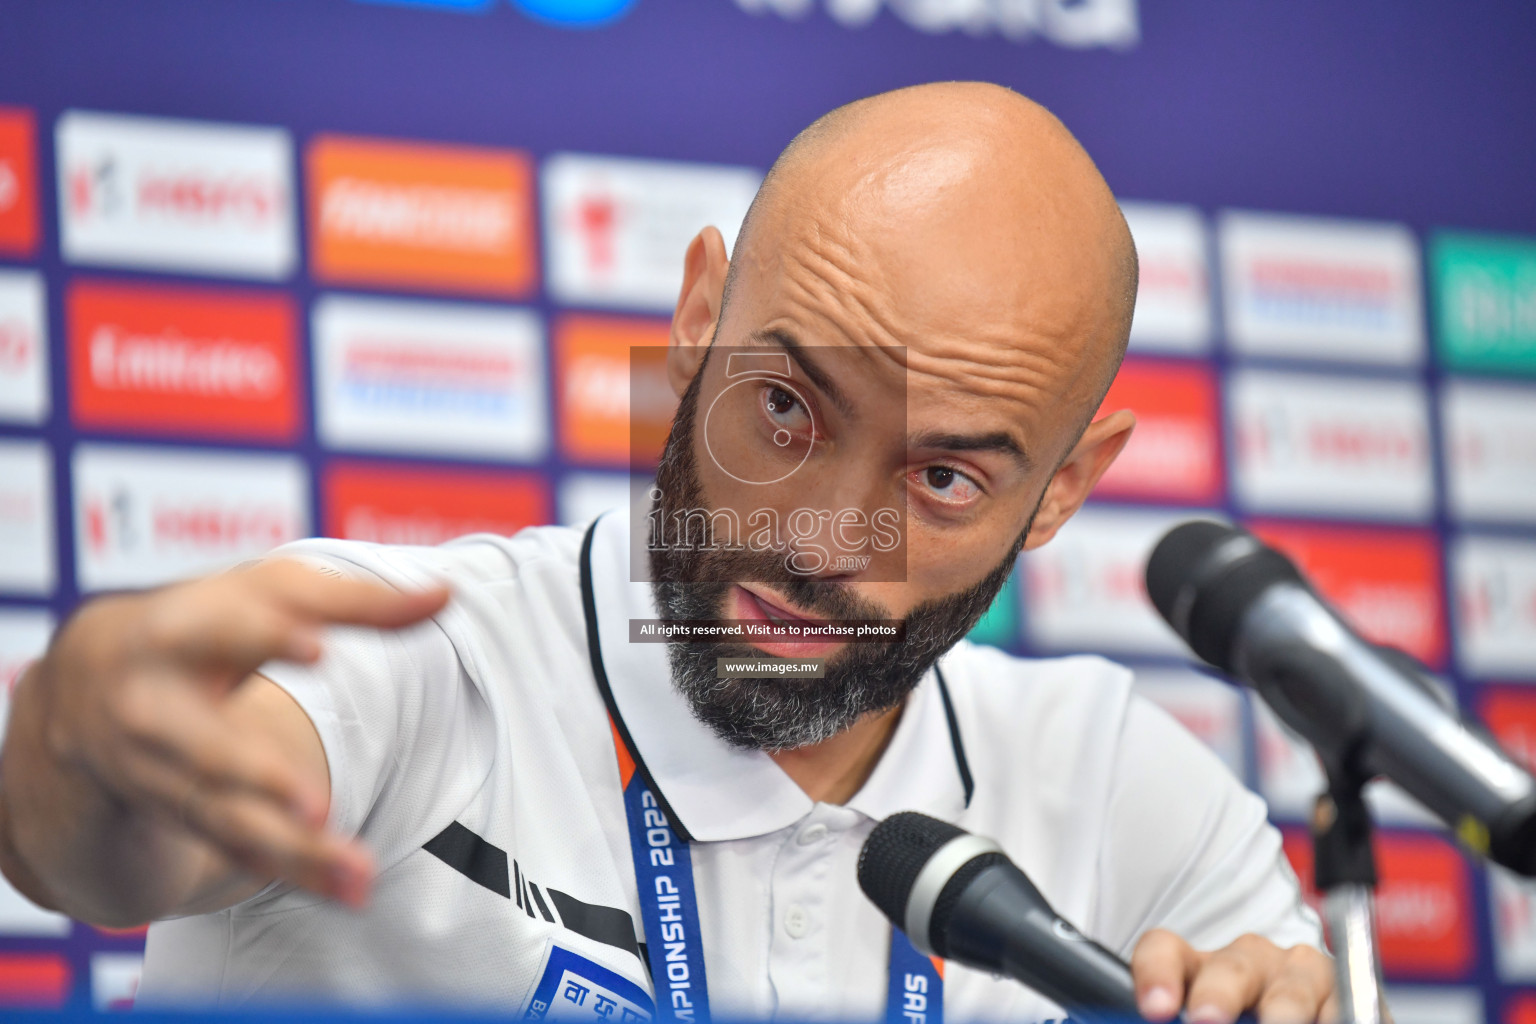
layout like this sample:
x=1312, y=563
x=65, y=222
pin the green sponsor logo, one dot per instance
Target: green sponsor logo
x=1000, y=626
x=1485, y=313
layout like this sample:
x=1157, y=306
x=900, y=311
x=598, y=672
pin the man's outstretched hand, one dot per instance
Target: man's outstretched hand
x=1280, y=986
x=146, y=769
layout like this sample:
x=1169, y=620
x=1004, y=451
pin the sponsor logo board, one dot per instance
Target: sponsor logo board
x=1494, y=583
x=1386, y=582
x=1174, y=454
x=192, y=196
x=24, y=634
x=616, y=229
x=35, y=980
x=1433, y=1004
x=26, y=518
x=1423, y=903
x=18, y=182
x=585, y=496
x=115, y=980
x=1309, y=287
x=421, y=216
x=1209, y=708
x=1086, y=589
x=1173, y=298
x=430, y=378
x=23, y=347
x=1075, y=24
x=1485, y=308
x=1290, y=778
x=1490, y=451
x=209, y=362
x=614, y=396
x=1331, y=445
x=394, y=504
x=145, y=516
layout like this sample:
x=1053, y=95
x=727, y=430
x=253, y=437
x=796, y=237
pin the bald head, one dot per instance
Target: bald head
x=970, y=200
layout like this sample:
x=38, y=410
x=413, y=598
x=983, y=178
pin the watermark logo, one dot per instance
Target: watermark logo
x=784, y=463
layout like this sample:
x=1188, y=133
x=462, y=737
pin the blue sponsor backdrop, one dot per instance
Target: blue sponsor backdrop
x=1417, y=113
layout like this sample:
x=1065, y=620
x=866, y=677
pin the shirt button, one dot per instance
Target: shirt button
x=796, y=922
x=812, y=834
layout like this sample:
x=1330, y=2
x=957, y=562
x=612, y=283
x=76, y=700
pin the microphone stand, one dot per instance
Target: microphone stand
x=1344, y=869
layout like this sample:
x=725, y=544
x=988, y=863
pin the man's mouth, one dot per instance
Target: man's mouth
x=752, y=605
x=775, y=613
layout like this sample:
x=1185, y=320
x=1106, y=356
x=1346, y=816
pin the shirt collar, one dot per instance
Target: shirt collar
x=711, y=790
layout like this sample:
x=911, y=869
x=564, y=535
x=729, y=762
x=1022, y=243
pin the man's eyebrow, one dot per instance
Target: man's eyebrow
x=996, y=441
x=815, y=374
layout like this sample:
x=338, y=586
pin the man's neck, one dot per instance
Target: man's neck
x=833, y=770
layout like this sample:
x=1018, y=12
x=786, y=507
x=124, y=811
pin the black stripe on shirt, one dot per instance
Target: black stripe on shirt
x=471, y=856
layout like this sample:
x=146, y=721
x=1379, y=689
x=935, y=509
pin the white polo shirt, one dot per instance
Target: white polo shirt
x=474, y=755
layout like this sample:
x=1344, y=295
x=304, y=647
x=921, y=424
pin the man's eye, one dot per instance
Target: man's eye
x=949, y=484
x=784, y=409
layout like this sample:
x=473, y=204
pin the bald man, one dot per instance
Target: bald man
x=328, y=779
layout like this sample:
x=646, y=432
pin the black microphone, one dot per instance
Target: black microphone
x=1246, y=609
x=958, y=896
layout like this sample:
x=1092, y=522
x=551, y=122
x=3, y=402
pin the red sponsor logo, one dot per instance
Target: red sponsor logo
x=1303, y=276
x=392, y=504
x=195, y=526
x=1423, y=902
x=1386, y=582
x=1511, y=717
x=33, y=979
x=184, y=197
x=1521, y=1009
x=179, y=360
x=18, y=182
x=1175, y=452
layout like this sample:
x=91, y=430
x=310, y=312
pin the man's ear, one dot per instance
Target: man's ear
x=1075, y=478
x=698, y=307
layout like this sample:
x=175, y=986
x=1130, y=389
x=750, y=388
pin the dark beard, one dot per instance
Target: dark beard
x=782, y=714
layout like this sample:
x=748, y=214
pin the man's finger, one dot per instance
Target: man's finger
x=196, y=739
x=1299, y=989
x=311, y=594
x=267, y=843
x=1161, y=965
x=1231, y=980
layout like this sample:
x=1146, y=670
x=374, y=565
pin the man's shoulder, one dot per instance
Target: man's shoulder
x=994, y=681
x=474, y=559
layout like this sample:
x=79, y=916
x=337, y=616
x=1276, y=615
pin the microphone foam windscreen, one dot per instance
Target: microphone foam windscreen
x=1175, y=558
x=894, y=855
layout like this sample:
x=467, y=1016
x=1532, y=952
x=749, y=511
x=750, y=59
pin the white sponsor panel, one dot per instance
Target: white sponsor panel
x=1494, y=582
x=1209, y=708
x=1316, y=288
x=1173, y=299
x=1490, y=451
x=584, y=496
x=194, y=196
x=115, y=980
x=1075, y=24
x=1513, y=901
x=1085, y=591
x=1290, y=778
x=617, y=229
x=441, y=378
x=145, y=516
x=1432, y=1004
x=1331, y=445
x=27, y=563
x=23, y=347
x=24, y=634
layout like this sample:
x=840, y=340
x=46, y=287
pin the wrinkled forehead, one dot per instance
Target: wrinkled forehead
x=995, y=281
